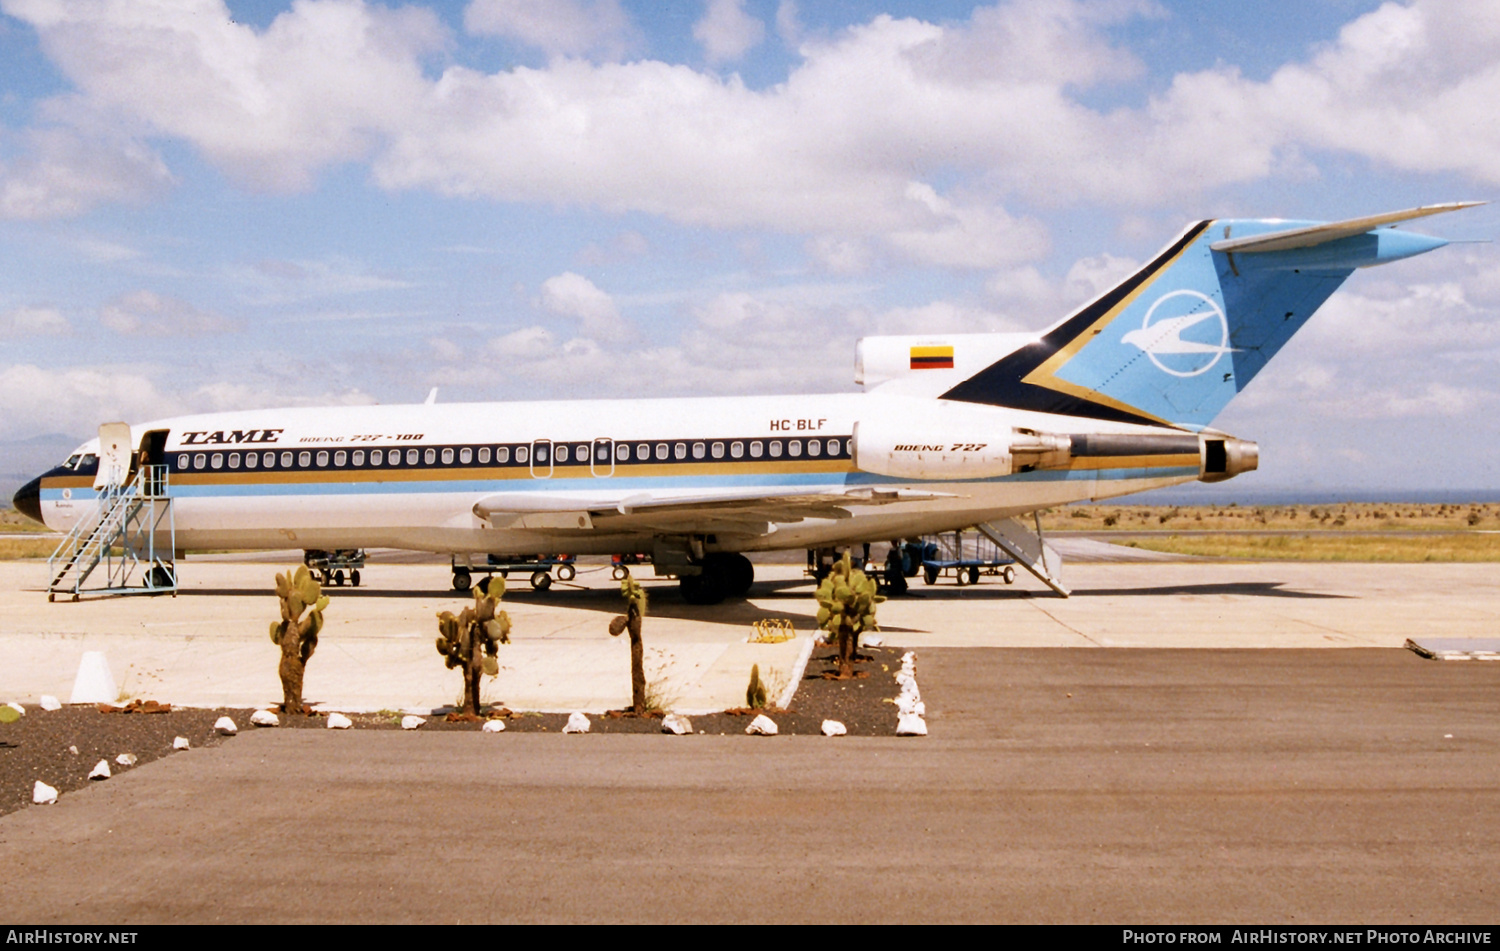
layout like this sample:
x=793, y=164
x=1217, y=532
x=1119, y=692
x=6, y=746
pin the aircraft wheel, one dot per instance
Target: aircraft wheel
x=354, y=577
x=961, y=576
x=565, y=573
x=1008, y=573
x=707, y=588
x=338, y=578
x=462, y=580
x=541, y=580
x=735, y=572
x=161, y=577
x=974, y=575
x=620, y=573
x=930, y=575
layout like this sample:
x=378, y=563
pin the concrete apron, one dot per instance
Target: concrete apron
x=210, y=647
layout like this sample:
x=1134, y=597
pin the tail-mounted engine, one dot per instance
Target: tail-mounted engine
x=951, y=455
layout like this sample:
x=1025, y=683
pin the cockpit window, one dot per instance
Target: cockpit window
x=87, y=460
x=72, y=461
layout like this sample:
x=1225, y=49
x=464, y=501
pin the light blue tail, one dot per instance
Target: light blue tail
x=1178, y=339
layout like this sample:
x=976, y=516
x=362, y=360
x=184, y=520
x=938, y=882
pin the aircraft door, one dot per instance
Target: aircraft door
x=541, y=459
x=603, y=462
x=153, y=452
x=115, y=451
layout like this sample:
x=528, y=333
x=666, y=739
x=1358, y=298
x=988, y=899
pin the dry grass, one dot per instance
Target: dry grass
x=12, y=549
x=1344, y=516
x=12, y=522
x=1331, y=546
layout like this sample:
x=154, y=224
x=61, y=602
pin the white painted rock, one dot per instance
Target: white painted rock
x=412, y=722
x=264, y=718
x=676, y=725
x=834, y=728
x=909, y=659
x=493, y=726
x=73, y=750
x=181, y=743
x=42, y=794
x=127, y=759
x=94, y=683
x=20, y=710
x=871, y=640
x=909, y=724
x=100, y=770
x=225, y=727
x=337, y=721
x=50, y=702
x=907, y=704
x=577, y=723
x=762, y=725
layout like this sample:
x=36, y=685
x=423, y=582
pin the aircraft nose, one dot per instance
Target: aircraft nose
x=28, y=501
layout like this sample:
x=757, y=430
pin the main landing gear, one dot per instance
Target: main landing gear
x=725, y=575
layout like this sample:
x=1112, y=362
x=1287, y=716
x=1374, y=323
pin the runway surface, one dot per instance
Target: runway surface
x=1127, y=786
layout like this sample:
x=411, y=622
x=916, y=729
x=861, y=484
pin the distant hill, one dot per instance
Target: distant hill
x=22, y=460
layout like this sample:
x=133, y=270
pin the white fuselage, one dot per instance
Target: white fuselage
x=571, y=477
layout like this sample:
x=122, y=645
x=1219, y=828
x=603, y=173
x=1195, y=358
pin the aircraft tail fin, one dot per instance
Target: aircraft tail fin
x=1175, y=341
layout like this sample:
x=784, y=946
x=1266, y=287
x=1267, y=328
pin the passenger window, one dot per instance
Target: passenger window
x=200, y=461
x=541, y=453
x=268, y=460
x=412, y=456
x=251, y=460
x=622, y=452
x=430, y=456
x=562, y=453
x=465, y=455
x=322, y=458
x=717, y=450
x=286, y=460
x=642, y=452
x=340, y=457
x=736, y=449
x=680, y=450
x=234, y=460
x=699, y=450
x=304, y=459
x=814, y=447
x=582, y=455
x=756, y=449
x=447, y=457
x=182, y=461
x=661, y=452
x=359, y=457
x=217, y=461
x=521, y=455
x=794, y=448
x=775, y=448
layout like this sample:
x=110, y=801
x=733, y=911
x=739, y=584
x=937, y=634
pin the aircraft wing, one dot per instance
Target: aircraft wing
x=755, y=514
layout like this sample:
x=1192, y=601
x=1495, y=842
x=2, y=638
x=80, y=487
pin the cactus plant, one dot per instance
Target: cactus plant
x=755, y=694
x=846, y=609
x=471, y=639
x=296, y=634
x=635, y=609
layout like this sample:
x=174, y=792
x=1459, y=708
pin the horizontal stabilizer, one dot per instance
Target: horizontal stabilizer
x=1331, y=231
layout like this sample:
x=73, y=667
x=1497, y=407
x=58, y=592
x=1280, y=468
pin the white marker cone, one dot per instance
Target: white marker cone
x=95, y=684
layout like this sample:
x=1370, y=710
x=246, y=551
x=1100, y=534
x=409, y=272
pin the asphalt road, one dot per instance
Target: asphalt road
x=1139, y=786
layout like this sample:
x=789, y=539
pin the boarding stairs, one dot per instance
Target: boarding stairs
x=130, y=534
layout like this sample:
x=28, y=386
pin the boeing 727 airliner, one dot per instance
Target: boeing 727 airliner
x=952, y=431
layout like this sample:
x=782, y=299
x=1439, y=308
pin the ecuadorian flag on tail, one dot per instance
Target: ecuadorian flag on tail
x=932, y=358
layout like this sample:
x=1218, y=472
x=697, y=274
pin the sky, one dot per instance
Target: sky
x=210, y=205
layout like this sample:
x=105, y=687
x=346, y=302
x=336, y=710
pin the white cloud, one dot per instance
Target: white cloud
x=575, y=296
x=34, y=322
x=158, y=315
x=727, y=32
x=558, y=27
x=60, y=172
x=34, y=400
